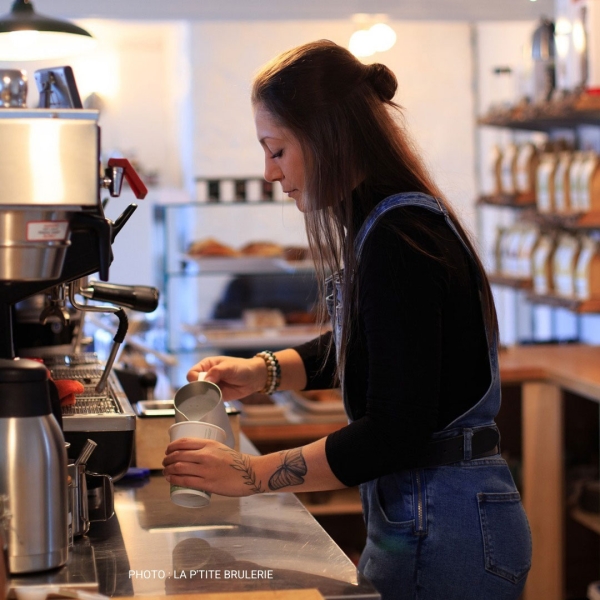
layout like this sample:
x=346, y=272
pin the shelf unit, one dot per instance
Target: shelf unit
x=541, y=119
x=572, y=222
x=188, y=281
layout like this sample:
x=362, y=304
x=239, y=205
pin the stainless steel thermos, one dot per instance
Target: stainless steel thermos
x=33, y=469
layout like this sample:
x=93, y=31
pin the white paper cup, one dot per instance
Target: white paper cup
x=188, y=497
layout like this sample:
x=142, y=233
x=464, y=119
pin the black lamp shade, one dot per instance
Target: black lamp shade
x=22, y=17
x=26, y=35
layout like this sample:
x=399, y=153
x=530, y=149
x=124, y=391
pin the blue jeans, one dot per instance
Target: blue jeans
x=457, y=532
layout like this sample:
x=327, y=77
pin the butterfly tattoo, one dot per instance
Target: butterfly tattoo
x=290, y=472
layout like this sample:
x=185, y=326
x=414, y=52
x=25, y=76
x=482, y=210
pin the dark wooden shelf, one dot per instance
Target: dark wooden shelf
x=538, y=120
x=527, y=203
x=510, y=200
x=572, y=304
x=520, y=283
x=590, y=220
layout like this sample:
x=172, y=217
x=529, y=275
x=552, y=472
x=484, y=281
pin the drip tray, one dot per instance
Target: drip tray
x=93, y=411
x=106, y=418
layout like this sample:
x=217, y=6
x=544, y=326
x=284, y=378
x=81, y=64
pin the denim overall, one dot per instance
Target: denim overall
x=453, y=532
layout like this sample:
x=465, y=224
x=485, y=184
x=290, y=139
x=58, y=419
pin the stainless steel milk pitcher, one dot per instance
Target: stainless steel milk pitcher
x=33, y=469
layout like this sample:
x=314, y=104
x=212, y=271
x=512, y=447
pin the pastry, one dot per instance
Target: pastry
x=266, y=249
x=211, y=247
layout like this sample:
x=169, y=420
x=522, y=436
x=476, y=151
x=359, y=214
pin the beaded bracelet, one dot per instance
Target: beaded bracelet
x=273, y=371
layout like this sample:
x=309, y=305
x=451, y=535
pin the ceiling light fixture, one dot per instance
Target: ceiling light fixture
x=27, y=35
x=376, y=38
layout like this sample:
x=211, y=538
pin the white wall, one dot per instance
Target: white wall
x=431, y=60
x=135, y=69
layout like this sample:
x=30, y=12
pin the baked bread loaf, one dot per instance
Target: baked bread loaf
x=211, y=247
x=266, y=249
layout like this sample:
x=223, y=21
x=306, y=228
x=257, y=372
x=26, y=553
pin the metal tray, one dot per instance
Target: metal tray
x=166, y=408
x=154, y=408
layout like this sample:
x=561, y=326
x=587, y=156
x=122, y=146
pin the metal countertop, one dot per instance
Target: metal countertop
x=153, y=547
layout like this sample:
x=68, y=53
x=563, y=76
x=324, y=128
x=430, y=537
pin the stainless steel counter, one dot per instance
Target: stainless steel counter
x=260, y=542
x=263, y=542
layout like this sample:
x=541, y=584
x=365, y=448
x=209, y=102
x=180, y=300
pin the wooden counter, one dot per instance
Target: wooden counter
x=575, y=368
x=545, y=373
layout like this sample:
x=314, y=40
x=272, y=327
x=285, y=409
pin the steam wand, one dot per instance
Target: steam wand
x=75, y=287
x=118, y=340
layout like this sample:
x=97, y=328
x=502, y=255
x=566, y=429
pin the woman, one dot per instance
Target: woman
x=414, y=344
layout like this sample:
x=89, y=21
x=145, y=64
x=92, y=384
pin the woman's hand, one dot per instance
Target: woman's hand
x=237, y=377
x=210, y=466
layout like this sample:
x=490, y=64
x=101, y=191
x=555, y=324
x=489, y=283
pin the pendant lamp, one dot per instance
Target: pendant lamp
x=27, y=35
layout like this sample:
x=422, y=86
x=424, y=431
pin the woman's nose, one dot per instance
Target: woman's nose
x=272, y=171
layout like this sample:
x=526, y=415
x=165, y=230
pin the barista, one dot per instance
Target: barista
x=414, y=344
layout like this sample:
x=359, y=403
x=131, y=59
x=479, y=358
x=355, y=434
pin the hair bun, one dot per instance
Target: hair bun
x=382, y=79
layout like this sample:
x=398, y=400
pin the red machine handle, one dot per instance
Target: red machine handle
x=133, y=179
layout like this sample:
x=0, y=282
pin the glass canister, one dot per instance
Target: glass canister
x=13, y=88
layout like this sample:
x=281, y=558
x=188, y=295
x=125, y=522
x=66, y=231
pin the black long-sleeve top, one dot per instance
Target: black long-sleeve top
x=418, y=356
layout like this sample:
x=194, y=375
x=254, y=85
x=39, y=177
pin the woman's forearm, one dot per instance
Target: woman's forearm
x=293, y=373
x=302, y=469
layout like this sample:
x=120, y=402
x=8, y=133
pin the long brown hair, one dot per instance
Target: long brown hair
x=355, y=149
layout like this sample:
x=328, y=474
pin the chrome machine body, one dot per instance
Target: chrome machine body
x=53, y=235
x=49, y=169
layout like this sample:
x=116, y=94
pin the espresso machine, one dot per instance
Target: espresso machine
x=53, y=236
